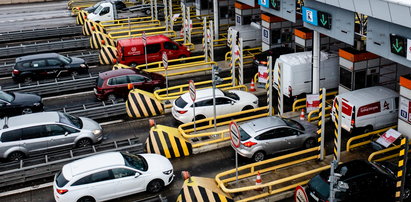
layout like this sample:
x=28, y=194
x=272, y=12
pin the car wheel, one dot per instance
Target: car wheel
x=367, y=129
x=15, y=156
x=247, y=108
x=155, y=186
x=85, y=142
x=199, y=117
x=28, y=79
x=112, y=97
x=86, y=199
x=26, y=110
x=182, y=57
x=258, y=156
x=147, y=12
x=310, y=142
x=74, y=73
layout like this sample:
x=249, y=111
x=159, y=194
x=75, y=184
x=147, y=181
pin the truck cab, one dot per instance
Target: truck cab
x=105, y=12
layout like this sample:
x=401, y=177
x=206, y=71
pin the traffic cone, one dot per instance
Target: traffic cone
x=302, y=115
x=258, y=181
x=252, y=87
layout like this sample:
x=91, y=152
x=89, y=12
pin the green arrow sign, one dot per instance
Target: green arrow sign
x=323, y=21
x=396, y=46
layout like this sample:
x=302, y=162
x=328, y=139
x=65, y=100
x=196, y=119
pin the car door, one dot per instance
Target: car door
x=60, y=135
x=127, y=182
x=292, y=138
x=102, y=186
x=171, y=49
x=140, y=82
x=34, y=138
x=204, y=107
x=153, y=52
x=39, y=69
x=5, y=108
x=224, y=106
x=119, y=85
x=269, y=142
x=55, y=65
x=389, y=113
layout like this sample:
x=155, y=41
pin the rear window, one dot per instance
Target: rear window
x=181, y=103
x=99, y=82
x=61, y=180
x=293, y=124
x=243, y=135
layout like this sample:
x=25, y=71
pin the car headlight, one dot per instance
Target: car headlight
x=255, y=102
x=97, y=132
x=36, y=104
x=83, y=65
x=168, y=172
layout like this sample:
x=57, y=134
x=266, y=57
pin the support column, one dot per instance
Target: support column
x=316, y=63
x=216, y=18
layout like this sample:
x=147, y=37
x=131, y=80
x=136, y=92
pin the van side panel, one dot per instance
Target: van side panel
x=329, y=73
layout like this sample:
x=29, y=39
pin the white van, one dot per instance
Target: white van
x=297, y=72
x=251, y=35
x=368, y=109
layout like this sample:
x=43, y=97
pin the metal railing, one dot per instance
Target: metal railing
x=53, y=32
x=364, y=139
x=96, y=110
x=297, y=103
x=247, y=54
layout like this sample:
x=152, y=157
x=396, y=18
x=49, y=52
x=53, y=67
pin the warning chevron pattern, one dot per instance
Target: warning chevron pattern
x=202, y=189
x=107, y=54
x=401, y=164
x=81, y=15
x=88, y=27
x=280, y=93
x=168, y=142
x=337, y=117
x=143, y=104
x=99, y=39
x=320, y=121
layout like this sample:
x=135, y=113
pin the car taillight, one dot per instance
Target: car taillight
x=249, y=144
x=16, y=72
x=181, y=111
x=290, y=91
x=61, y=191
x=263, y=62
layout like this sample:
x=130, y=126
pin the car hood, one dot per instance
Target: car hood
x=157, y=162
x=89, y=124
x=26, y=99
x=76, y=61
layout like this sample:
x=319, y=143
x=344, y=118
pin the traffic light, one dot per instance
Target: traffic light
x=398, y=45
x=324, y=19
x=275, y=4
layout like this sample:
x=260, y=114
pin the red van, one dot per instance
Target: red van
x=131, y=51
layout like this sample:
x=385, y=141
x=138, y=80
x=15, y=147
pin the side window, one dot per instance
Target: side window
x=9, y=136
x=105, y=11
x=283, y=132
x=69, y=129
x=153, y=48
x=222, y=101
x=123, y=172
x=53, y=130
x=53, y=62
x=102, y=176
x=38, y=63
x=135, y=78
x=23, y=64
x=33, y=132
x=267, y=135
x=84, y=180
x=204, y=103
x=119, y=80
x=290, y=132
x=170, y=46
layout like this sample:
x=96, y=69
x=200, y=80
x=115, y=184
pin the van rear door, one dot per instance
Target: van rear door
x=346, y=115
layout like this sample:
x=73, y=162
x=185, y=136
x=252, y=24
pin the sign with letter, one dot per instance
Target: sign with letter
x=262, y=74
x=234, y=134
x=192, y=89
x=266, y=35
x=405, y=109
x=408, y=49
x=165, y=60
x=388, y=137
x=144, y=38
x=300, y=194
x=312, y=103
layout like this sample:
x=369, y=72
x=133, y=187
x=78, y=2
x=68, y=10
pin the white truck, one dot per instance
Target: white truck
x=108, y=11
x=297, y=72
x=251, y=35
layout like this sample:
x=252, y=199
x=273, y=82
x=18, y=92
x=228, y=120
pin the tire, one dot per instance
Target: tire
x=367, y=129
x=28, y=79
x=199, y=117
x=155, y=186
x=112, y=97
x=86, y=199
x=85, y=142
x=74, y=73
x=27, y=110
x=247, y=108
x=15, y=156
x=310, y=142
x=181, y=57
x=258, y=156
x=147, y=12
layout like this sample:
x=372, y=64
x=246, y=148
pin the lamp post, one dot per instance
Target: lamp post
x=215, y=80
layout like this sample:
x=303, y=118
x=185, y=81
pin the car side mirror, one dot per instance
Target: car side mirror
x=137, y=175
x=232, y=102
x=66, y=133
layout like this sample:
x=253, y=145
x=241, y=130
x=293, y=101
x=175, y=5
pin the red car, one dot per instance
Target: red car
x=114, y=84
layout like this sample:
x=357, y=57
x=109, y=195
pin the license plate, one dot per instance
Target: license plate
x=314, y=197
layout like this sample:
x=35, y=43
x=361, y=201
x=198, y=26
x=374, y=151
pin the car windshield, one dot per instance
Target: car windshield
x=97, y=11
x=100, y=82
x=293, y=124
x=70, y=120
x=135, y=161
x=66, y=60
x=61, y=180
x=180, y=102
x=243, y=135
x=5, y=96
x=320, y=186
x=231, y=95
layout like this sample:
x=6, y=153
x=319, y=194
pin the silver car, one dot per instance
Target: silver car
x=274, y=134
x=22, y=135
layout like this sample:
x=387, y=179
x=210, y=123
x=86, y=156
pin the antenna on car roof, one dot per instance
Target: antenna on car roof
x=6, y=120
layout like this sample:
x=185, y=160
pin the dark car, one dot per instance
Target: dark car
x=119, y=6
x=46, y=65
x=19, y=103
x=367, y=181
x=261, y=59
x=114, y=84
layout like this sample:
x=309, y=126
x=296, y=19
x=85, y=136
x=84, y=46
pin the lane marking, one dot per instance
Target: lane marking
x=26, y=189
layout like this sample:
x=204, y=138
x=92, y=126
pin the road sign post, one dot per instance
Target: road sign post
x=165, y=64
x=235, y=140
x=300, y=194
x=145, y=46
x=192, y=90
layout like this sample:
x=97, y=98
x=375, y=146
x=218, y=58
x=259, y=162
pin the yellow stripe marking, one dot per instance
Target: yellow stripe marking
x=164, y=144
x=197, y=194
x=210, y=195
x=134, y=106
x=140, y=102
x=150, y=106
x=154, y=143
x=174, y=145
x=183, y=144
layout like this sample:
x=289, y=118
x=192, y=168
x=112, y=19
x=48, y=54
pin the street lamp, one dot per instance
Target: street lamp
x=215, y=81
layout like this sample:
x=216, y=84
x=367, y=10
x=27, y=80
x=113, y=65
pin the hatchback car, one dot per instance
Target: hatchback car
x=46, y=65
x=114, y=84
x=226, y=102
x=22, y=135
x=111, y=175
x=273, y=134
x=367, y=181
x=19, y=103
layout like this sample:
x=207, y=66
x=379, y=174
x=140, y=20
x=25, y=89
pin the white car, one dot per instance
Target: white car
x=111, y=175
x=226, y=102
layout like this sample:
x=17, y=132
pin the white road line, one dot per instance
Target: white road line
x=26, y=189
x=111, y=122
x=68, y=95
x=4, y=78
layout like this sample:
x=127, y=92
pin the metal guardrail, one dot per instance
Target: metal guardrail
x=63, y=44
x=97, y=110
x=296, y=105
x=363, y=139
x=52, y=32
x=49, y=164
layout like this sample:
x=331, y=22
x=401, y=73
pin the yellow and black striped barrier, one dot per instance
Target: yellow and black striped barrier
x=401, y=168
x=167, y=141
x=99, y=39
x=81, y=17
x=107, y=55
x=202, y=189
x=143, y=104
x=89, y=27
x=279, y=90
x=336, y=122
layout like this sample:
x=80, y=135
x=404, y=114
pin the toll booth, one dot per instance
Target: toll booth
x=226, y=10
x=277, y=31
x=303, y=38
x=245, y=14
x=404, y=118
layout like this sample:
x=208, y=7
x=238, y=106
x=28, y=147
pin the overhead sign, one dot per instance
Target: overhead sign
x=192, y=90
x=324, y=19
x=234, y=134
x=144, y=38
x=165, y=60
x=264, y=3
x=300, y=194
x=310, y=16
x=275, y=4
x=398, y=45
x=405, y=109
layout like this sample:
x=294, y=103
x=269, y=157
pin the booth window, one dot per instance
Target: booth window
x=345, y=77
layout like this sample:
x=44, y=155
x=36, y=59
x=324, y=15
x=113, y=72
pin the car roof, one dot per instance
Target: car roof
x=91, y=163
x=139, y=40
x=355, y=167
x=261, y=124
x=37, y=56
x=33, y=118
x=202, y=94
x=368, y=95
x=117, y=72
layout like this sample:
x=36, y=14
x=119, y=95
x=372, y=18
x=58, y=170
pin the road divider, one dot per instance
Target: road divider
x=143, y=104
x=168, y=142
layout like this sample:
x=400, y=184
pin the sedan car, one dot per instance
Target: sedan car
x=273, y=134
x=367, y=181
x=111, y=175
x=19, y=103
x=226, y=102
x=114, y=84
